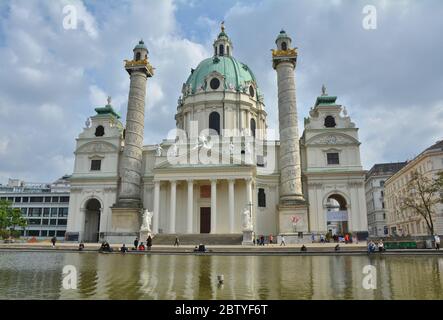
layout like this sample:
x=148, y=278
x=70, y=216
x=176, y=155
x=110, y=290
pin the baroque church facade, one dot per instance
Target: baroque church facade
x=221, y=177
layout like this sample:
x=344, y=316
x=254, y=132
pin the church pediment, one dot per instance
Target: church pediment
x=97, y=147
x=332, y=139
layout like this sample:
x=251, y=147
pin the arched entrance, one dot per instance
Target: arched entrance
x=337, y=215
x=92, y=220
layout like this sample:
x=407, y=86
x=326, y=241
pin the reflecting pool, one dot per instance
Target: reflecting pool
x=39, y=275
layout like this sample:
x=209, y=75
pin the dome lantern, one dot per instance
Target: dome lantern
x=222, y=45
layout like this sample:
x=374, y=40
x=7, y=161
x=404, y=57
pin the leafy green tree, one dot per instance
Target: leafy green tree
x=10, y=218
x=422, y=196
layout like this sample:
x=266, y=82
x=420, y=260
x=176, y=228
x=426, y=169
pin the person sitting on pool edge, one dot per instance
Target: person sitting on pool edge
x=141, y=247
x=123, y=248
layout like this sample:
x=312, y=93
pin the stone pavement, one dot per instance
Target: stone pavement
x=290, y=249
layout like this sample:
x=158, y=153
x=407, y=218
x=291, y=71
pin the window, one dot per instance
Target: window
x=221, y=50
x=63, y=212
x=382, y=194
x=99, y=131
x=214, y=122
x=25, y=199
x=61, y=233
x=35, y=212
x=214, y=84
x=24, y=211
x=47, y=199
x=227, y=50
x=253, y=127
x=45, y=222
x=284, y=46
x=64, y=199
x=54, y=199
x=383, y=205
x=18, y=199
x=62, y=222
x=333, y=158
x=137, y=56
x=205, y=192
x=330, y=122
x=382, y=183
x=45, y=212
x=261, y=198
x=33, y=233
x=96, y=165
x=34, y=222
x=44, y=233
x=36, y=199
x=51, y=233
x=53, y=212
x=53, y=222
x=251, y=91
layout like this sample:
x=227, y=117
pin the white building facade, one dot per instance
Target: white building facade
x=332, y=170
x=375, y=196
x=45, y=206
x=220, y=168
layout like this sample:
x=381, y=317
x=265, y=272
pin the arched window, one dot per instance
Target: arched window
x=99, y=131
x=253, y=127
x=227, y=50
x=261, y=198
x=221, y=50
x=214, y=122
x=330, y=122
x=137, y=56
x=284, y=46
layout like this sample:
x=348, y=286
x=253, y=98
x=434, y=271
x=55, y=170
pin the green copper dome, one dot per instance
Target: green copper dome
x=235, y=73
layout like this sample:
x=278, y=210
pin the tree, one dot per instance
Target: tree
x=422, y=195
x=10, y=217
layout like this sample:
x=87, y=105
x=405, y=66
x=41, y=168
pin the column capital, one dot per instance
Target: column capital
x=190, y=181
x=231, y=180
x=213, y=180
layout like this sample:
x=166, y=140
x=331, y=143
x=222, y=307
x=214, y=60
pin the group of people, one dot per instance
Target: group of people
x=346, y=238
x=261, y=241
x=372, y=246
x=140, y=246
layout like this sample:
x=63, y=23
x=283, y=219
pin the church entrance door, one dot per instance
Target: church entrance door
x=205, y=220
x=92, y=221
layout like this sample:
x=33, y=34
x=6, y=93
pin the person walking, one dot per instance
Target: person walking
x=53, y=241
x=437, y=242
x=136, y=243
x=282, y=243
x=271, y=239
x=149, y=242
x=177, y=242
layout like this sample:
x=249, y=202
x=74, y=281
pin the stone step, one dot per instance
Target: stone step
x=196, y=239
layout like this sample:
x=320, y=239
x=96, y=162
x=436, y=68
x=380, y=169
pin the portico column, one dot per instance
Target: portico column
x=173, y=206
x=190, y=205
x=249, y=197
x=231, y=205
x=156, y=206
x=213, y=206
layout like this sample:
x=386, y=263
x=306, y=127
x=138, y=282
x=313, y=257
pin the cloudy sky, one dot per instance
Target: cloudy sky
x=51, y=79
